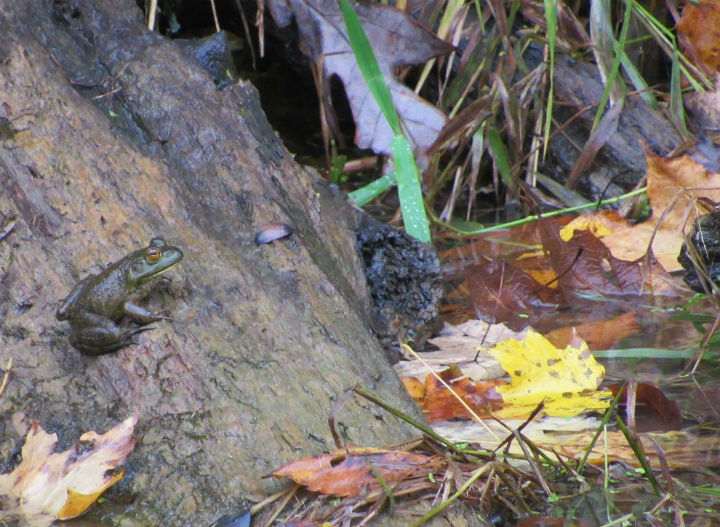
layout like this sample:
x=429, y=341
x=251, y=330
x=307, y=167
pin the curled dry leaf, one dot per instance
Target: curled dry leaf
x=347, y=473
x=47, y=485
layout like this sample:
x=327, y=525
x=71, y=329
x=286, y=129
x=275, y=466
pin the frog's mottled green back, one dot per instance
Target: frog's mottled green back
x=106, y=292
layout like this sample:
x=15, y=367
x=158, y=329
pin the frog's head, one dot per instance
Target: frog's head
x=152, y=261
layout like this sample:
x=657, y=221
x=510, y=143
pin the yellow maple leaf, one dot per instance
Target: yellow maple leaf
x=597, y=224
x=566, y=380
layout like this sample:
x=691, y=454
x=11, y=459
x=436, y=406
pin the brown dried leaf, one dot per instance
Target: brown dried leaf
x=585, y=264
x=347, y=473
x=673, y=185
x=46, y=486
x=504, y=293
x=654, y=412
x=701, y=25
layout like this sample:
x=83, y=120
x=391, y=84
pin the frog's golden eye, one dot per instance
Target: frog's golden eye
x=153, y=254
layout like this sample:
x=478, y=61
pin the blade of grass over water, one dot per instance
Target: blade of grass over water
x=448, y=15
x=677, y=111
x=535, y=217
x=409, y=191
x=667, y=41
x=551, y=21
x=408, y=180
x=499, y=152
x=644, y=353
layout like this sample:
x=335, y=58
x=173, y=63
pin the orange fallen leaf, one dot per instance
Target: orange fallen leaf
x=440, y=403
x=673, y=185
x=347, y=473
x=46, y=485
x=415, y=388
x=599, y=335
x=700, y=23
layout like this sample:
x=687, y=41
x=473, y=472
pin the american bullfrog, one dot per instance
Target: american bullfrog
x=99, y=301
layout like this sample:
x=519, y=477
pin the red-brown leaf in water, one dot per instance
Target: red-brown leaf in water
x=654, y=412
x=347, y=473
x=440, y=404
x=585, y=264
x=504, y=293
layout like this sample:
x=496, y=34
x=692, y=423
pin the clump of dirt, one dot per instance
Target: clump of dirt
x=404, y=279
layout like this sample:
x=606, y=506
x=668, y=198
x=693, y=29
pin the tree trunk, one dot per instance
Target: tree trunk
x=112, y=135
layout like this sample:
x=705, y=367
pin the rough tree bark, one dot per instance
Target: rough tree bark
x=111, y=135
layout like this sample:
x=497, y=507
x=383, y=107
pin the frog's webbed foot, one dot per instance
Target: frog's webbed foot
x=142, y=315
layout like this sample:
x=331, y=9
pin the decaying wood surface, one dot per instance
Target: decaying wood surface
x=111, y=135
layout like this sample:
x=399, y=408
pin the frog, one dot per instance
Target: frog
x=98, y=302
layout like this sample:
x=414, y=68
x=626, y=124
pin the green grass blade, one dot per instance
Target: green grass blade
x=406, y=172
x=677, y=111
x=551, y=22
x=368, y=65
x=369, y=192
x=638, y=81
x=619, y=52
x=409, y=191
x=500, y=155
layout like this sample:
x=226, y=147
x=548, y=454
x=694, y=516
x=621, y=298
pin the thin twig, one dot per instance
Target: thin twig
x=6, y=377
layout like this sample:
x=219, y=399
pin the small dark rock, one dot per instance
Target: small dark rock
x=705, y=238
x=404, y=279
x=213, y=54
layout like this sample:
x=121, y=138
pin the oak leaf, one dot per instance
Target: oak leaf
x=397, y=40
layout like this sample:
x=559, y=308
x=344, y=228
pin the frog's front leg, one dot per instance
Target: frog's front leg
x=96, y=334
x=142, y=315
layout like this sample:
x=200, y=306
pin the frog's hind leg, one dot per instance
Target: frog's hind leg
x=98, y=335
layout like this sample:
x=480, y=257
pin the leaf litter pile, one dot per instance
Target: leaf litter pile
x=519, y=406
